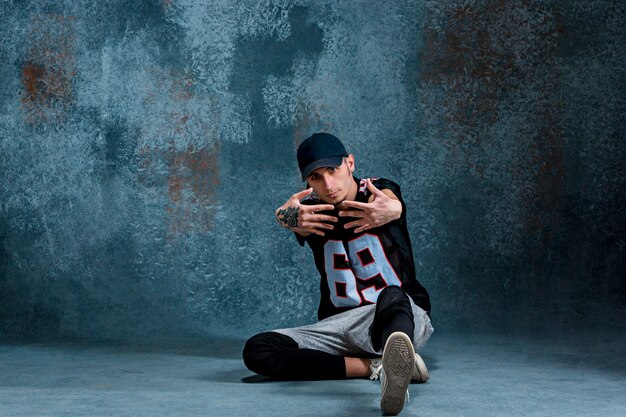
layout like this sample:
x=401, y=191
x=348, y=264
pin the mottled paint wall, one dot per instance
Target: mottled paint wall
x=145, y=144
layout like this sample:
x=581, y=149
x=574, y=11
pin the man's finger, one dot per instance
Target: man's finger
x=323, y=218
x=301, y=231
x=362, y=229
x=356, y=204
x=372, y=187
x=361, y=223
x=353, y=213
x=314, y=231
x=303, y=193
x=317, y=207
x=318, y=225
x=353, y=224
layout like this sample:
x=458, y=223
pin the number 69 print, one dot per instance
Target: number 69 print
x=368, y=261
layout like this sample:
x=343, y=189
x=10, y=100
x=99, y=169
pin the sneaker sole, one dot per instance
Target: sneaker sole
x=420, y=374
x=398, y=364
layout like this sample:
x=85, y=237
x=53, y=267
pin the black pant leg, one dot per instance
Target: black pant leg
x=277, y=355
x=393, y=314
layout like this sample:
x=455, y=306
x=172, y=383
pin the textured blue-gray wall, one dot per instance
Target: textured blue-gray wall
x=144, y=146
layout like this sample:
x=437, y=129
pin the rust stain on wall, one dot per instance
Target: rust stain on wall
x=47, y=75
x=192, y=184
x=179, y=85
x=192, y=187
x=475, y=63
x=486, y=58
x=33, y=76
x=192, y=173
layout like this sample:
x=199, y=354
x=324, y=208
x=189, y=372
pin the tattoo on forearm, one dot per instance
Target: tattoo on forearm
x=288, y=216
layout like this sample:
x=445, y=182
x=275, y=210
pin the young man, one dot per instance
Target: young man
x=371, y=302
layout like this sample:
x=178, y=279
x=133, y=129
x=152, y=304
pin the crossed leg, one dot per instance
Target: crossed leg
x=278, y=355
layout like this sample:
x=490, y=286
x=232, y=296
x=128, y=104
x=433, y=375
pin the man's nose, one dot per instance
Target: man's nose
x=327, y=183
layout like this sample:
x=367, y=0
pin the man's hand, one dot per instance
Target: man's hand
x=303, y=219
x=381, y=208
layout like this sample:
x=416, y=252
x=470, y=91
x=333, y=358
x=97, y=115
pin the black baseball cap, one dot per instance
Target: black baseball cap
x=320, y=150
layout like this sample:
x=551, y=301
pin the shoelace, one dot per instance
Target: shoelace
x=378, y=373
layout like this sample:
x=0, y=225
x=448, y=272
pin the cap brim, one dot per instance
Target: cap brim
x=332, y=161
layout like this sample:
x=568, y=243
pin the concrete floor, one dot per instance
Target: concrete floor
x=471, y=375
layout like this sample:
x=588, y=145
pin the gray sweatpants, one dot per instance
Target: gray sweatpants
x=347, y=333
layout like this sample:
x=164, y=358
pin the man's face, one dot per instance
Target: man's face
x=334, y=184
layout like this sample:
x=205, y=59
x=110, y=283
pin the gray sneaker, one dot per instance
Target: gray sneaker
x=420, y=372
x=398, y=367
